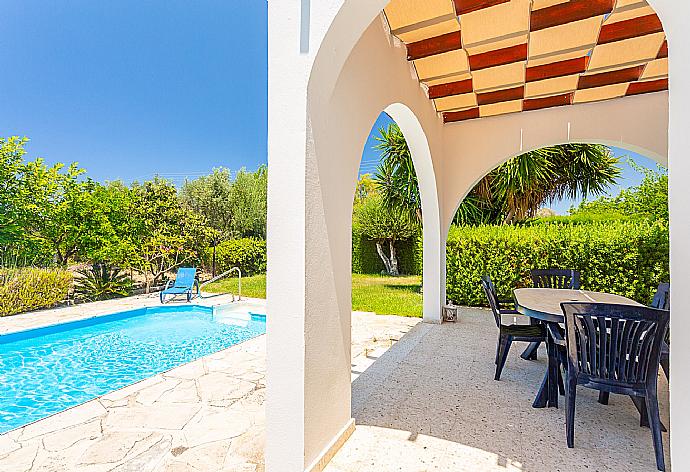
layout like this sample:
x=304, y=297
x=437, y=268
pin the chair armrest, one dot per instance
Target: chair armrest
x=509, y=312
x=555, y=333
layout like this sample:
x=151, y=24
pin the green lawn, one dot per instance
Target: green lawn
x=382, y=295
x=253, y=287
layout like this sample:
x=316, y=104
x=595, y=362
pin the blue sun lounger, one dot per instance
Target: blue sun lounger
x=185, y=283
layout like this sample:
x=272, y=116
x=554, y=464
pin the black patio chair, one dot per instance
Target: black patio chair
x=615, y=349
x=508, y=333
x=662, y=301
x=555, y=278
x=550, y=278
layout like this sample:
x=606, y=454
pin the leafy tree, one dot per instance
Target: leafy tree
x=385, y=226
x=11, y=165
x=164, y=234
x=366, y=186
x=233, y=208
x=249, y=202
x=647, y=200
x=210, y=196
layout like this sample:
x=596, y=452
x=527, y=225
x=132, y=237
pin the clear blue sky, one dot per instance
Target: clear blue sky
x=629, y=176
x=131, y=89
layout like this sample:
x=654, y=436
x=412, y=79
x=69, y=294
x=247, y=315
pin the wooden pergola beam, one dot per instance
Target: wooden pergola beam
x=432, y=46
x=564, y=13
x=628, y=29
x=452, y=88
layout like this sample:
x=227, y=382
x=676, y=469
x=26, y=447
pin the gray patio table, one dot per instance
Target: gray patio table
x=544, y=304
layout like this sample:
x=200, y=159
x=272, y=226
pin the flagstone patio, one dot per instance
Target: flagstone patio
x=207, y=415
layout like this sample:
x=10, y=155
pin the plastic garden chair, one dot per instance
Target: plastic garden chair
x=185, y=284
x=508, y=333
x=616, y=349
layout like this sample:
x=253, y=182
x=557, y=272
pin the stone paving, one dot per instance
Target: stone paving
x=430, y=404
x=207, y=415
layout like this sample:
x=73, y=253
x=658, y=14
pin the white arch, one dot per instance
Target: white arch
x=421, y=156
x=630, y=147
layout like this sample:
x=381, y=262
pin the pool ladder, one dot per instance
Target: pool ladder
x=225, y=274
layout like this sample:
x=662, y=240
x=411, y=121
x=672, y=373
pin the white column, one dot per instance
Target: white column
x=308, y=334
x=674, y=15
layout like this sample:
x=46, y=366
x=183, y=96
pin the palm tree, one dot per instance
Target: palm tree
x=395, y=176
x=512, y=192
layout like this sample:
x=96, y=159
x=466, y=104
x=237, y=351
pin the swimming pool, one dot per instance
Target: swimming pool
x=47, y=370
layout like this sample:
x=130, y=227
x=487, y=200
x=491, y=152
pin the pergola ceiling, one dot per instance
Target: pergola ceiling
x=490, y=57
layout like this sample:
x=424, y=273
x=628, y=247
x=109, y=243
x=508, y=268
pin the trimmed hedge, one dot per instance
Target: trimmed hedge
x=629, y=258
x=247, y=254
x=365, y=259
x=28, y=289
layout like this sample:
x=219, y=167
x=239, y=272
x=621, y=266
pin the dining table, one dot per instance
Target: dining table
x=544, y=305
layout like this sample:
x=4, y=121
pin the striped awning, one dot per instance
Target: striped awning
x=489, y=57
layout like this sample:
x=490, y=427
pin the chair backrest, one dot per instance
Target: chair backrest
x=555, y=278
x=492, y=297
x=662, y=297
x=614, y=344
x=185, y=277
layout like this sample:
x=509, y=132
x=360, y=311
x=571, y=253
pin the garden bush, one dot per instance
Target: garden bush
x=247, y=254
x=29, y=289
x=629, y=258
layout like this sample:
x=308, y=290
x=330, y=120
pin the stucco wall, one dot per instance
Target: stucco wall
x=309, y=253
x=322, y=102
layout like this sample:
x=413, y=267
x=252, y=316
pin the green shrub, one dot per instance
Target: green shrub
x=629, y=258
x=102, y=282
x=31, y=289
x=247, y=254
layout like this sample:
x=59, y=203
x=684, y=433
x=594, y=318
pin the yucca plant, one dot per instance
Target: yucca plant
x=102, y=282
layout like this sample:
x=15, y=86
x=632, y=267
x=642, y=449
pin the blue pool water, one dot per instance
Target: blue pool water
x=46, y=370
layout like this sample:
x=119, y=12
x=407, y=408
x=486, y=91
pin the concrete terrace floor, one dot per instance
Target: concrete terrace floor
x=430, y=404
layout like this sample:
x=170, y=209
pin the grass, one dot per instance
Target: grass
x=380, y=294
x=387, y=295
x=253, y=287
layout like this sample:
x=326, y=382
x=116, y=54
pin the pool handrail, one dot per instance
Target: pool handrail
x=225, y=274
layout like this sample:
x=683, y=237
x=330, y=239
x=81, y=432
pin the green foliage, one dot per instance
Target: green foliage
x=379, y=223
x=629, y=258
x=366, y=187
x=395, y=177
x=515, y=190
x=102, y=282
x=50, y=214
x=233, y=208
x=29, y=289
x=164, y=234
x=247, y=254
x=385, y=226
x=647, y=200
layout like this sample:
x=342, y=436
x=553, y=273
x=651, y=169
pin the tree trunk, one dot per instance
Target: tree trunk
x=389, y=262
x=384, y=258
x=393, y=258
